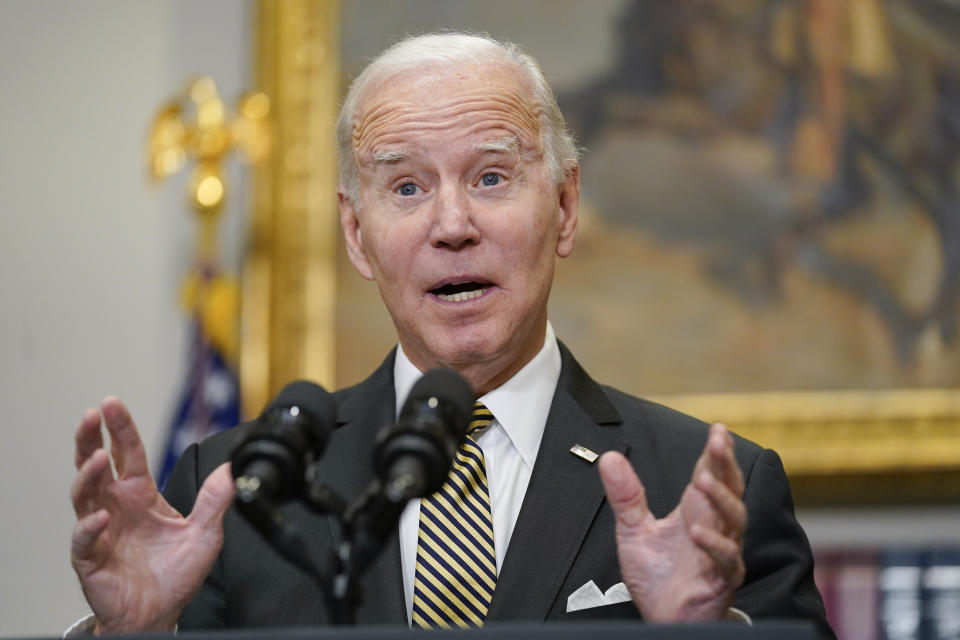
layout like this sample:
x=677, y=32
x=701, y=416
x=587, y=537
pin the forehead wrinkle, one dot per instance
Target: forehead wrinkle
x=443, y=117
x=393, y=148
x=514, y=111
x=465, y=101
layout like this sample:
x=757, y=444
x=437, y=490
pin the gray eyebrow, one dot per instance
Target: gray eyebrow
x=388, y=157
x=510, y=144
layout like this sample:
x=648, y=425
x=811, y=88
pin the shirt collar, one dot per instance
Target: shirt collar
x=520, y=405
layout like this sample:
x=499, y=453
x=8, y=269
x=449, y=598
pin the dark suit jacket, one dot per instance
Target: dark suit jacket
x=564, y=535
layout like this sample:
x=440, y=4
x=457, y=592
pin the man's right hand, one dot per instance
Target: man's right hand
x=139, y=561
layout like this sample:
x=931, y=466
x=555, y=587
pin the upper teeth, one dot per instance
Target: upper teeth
x=462, y=296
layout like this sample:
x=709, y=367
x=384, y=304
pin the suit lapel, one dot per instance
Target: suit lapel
x=362, y=411
x=562, y=498
x=560, y=505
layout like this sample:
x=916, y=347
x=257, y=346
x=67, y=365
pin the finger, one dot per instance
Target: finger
x=624, y=490
x=720, y=458
x=90, y=483
x=129, y=455
x=725, y=553
x=728, y=506
x=703, y=461
x=86, y=532
x=214, y=498
x=88, y=437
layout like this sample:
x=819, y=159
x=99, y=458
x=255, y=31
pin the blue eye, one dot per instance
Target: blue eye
x=407, y=189
x=490, y=179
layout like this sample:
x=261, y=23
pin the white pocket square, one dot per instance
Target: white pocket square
x=589, y=596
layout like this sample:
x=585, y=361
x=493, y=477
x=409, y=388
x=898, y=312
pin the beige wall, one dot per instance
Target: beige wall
x=90, y=256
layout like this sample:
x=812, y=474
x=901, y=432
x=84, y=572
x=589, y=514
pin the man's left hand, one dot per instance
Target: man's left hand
x=688, y=565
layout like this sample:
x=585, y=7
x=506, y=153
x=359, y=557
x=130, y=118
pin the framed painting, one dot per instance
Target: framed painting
x=770, y=221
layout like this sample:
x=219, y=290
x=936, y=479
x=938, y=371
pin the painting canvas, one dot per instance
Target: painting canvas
x=770, y=203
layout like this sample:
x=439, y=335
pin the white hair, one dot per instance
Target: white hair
x=455, y=49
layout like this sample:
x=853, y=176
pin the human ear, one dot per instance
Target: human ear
x=569, y=211
x=353, y=235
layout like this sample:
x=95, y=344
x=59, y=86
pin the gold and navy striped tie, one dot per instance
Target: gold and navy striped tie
x=456, y=563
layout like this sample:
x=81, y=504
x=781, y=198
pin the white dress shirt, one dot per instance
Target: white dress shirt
x=519, y=407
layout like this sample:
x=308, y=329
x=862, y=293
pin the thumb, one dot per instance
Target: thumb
x=214, y=498
x=624, y=490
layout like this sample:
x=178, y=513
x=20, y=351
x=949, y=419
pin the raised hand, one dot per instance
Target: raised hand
x=688, y=565
x=139, y=561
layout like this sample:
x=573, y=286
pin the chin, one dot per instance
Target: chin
x=464, y=347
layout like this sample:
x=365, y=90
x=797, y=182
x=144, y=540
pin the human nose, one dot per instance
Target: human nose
x=453, y=222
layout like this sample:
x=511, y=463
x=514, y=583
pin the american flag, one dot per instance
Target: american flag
x=210, y=402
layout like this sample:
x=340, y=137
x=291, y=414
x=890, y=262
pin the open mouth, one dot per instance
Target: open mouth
x=461, y=291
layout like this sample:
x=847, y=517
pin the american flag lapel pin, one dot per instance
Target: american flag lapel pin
x=582, y=452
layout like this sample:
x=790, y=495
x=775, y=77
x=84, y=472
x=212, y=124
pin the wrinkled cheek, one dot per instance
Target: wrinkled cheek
x=384, y=255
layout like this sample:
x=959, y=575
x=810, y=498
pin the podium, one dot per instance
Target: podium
x=792, y=630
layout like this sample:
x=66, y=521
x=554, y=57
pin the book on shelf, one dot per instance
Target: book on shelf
x=897, y=593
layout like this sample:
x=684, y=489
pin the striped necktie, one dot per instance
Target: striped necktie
x=456, y=563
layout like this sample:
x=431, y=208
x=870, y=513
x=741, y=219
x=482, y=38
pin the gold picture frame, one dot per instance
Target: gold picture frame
x=880, y=445
x=841, y=447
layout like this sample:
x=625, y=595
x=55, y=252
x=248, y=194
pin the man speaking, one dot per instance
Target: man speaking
x=459, y=189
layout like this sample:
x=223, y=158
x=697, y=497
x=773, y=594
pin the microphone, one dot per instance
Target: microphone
x=413, y=458
x=271, y=459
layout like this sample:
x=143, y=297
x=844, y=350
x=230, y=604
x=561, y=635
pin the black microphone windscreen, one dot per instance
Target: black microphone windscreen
x=449, y=387
x=309, y=397
x=292, y=431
